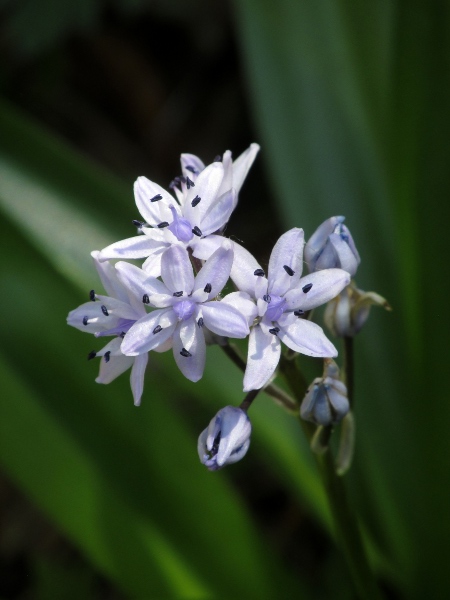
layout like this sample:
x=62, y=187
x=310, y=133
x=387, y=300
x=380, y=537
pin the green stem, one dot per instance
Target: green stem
x=349, y=368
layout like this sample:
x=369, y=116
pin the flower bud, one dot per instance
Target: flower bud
x=226, y=439
x=326, y=400
x=346, y=314
x=331, y=246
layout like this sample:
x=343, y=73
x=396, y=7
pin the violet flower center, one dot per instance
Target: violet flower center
x=275, y=308
x=184, y=309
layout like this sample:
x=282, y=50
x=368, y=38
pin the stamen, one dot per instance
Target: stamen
x=200, y=322
x=288, y=270
x=145, y=299
x=177, y=294
x=157, y=329
x=92, y=355
x=299, y=312
x=138, y=224
x=197, y=231
x=267, y=298
x=218, y=158
x=274, y=330
x=85, y=320
x=207, y=288
x=92, y=295
x=195, y=201
x=189, y=183
x=163, y=224
x=307, y=287
x=107, y=356
x=174, y=183
x=185, y=353
x=259, y=273
x=191, y=169
x=156, y=198
x=105, y=310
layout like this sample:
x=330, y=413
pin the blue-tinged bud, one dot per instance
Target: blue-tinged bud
x=326, y=400
x=226, y=439
x=346, y=314
x=331, y=246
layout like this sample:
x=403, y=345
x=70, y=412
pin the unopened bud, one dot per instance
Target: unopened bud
x=346, y=314
x=326, y=400
x=226, y=439
x=332, y=246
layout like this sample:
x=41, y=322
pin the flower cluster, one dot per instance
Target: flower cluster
x=175, y=301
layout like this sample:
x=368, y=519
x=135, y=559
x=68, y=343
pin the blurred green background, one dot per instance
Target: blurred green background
x=349, y=101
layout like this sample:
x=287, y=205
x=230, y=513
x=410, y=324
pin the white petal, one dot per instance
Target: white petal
x=137, y=377
x=243, y=269
x=138, y=281
x=216, y=270
x=190, y=160
x=306, y=337
x=206, y=187
x=224, y=319
x=287, y=252
x=203, y=247
x=243, y=303
x=189, y=336
x=140, y=337
x=318, y=240
x=109, y=279
x=153, y=212
x=176, y=270
x=263, y=357
x=219, y=213
x=117, y=364
x=116, y=308
x=242, y=165
x=227, y=181
x=135, y=247
x=347, y=259
x=326, y=285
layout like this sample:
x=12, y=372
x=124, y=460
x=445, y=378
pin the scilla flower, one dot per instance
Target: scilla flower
x=331, y=246
x=282, y=299
x=185, y=304
x=326, y=400
x=226, y=439
x=205, y=199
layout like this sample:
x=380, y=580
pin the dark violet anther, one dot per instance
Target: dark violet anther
x=138, y=224
x=207, y=288
x=218, y=158
x=105, y=310
x=307, y=287
x=259, y=273
x=107, y=356
x=92, y=354
x=195, y=201
x=299, y=312
x=288, y=270
x=85, y=320
x=274, y=330
x=163, y=224
x=157, y=329
x=189, y=183
x=200, y=322
x=92, y=295
x=267, y=298
x=177, y=294
x=145, y=299
x=196, y=231
x=185, y=353
x=156, y=198
x=191, y=169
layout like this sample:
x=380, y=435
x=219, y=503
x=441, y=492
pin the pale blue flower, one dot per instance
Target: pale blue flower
x=226, y=439
x=332, y=246
x=326, y=401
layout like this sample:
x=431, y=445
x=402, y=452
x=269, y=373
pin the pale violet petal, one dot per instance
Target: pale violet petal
x=191, y=166
x=225, y=320
x=286, y=262
x=89, y=318
x=242, y=165
x=306, y=337
x=216, y=271
x=325, y=285
x=202, y=248
x=117, y=362
x=318, y=240
x=348, y=261
x=176, y=270
x=152, y=266
x=137, y=377
x=189, y=349
x=135, y=247
x=115, y=308
x=109, y=279
x=138, y=281
x=243, y=303
x=157, y=211
x=149, y=332
x=243, y=270
x=264, y=352
x=206, y=187
x=219, y=213
x=227, y=181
